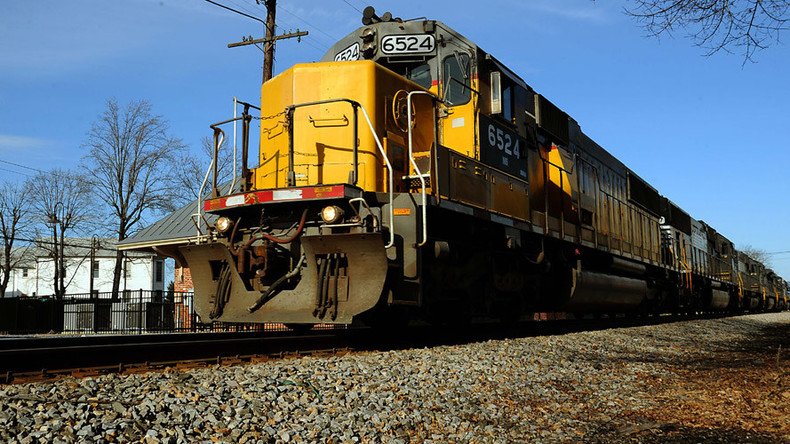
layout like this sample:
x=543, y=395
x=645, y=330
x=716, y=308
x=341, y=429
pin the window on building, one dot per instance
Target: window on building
x=24, y=272
x=95, y=269
x=159, y=270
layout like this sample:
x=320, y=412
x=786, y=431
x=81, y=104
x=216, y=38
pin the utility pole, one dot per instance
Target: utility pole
x=269, y=38
x=268, y=47
x=94, y=243
x=57, y=256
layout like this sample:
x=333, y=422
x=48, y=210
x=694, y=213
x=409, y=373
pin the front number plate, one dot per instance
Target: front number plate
x=350, y=53
x=408, y=44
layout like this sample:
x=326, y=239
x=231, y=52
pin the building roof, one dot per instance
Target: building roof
x=24, y=255
x=179, y=227
x=80, y=247
x=175, y=228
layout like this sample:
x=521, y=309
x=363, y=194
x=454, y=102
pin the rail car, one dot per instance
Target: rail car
x=412, y=175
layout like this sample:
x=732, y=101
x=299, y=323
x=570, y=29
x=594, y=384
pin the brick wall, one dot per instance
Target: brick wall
x=183, y=279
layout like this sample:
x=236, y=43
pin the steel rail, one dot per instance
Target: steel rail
x=36, y=358
x=53, y=355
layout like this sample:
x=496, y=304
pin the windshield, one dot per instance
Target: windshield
x=419, y=73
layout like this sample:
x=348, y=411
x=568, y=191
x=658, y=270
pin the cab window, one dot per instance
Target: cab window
x=456, y=79
x=421, y=75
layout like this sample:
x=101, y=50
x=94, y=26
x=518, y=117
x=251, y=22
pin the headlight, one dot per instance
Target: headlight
x=331, y=214
x=223, y=224
x=368, y=34
x=369, y=49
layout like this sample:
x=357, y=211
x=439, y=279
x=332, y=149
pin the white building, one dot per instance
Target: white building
x=35, y=276
x=19, y=283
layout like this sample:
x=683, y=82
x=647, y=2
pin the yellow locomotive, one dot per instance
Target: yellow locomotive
x=411, y=174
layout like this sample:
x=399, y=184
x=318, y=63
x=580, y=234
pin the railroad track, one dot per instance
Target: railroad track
x=40, y=358
x=27, y=359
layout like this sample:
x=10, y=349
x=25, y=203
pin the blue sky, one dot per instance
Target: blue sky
x=708, y=132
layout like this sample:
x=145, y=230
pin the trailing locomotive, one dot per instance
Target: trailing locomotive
x=410, y=174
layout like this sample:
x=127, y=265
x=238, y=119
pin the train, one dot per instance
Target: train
x=411, y=175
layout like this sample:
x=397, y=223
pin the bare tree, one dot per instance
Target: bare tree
x=717, y=25
x=191, y=171
x=757, y=254
x=14, y=222
x=61, y=202
x=131, y=158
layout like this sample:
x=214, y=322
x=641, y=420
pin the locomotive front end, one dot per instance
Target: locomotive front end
x=305, y=239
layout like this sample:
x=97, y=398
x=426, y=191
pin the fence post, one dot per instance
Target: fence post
x=192, y=315
x=96, y=314
x=140, y=314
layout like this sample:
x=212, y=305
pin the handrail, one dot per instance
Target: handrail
x=559, y=167
x=197, y=217
x=289, y=111
x=391, y=172
x=219, y=139
x=245, y=139
x=413, y=162
x=592, y=166
x=235, y=115
x=356, y=106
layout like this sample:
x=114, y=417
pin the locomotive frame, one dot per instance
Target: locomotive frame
x=410, y=174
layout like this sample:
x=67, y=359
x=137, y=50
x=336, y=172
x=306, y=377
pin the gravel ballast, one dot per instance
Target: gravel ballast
x=722, y=380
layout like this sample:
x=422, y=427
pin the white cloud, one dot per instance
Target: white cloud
x=16, y=143
x=576, y=10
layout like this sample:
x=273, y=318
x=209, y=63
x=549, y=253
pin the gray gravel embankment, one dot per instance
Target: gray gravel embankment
x=696, y=381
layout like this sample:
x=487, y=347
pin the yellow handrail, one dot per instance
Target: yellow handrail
x=740, y=287
x=683, y=261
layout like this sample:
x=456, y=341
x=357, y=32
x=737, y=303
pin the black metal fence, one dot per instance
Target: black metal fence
x=125, y=312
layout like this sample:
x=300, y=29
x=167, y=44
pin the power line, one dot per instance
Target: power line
x=16, y=172
x=288, y=24
x=320, y=50
x=244, y=8
x=334, y=39
x=354, y=7
x=22, y=166
x=291, y=25
x=236, y=11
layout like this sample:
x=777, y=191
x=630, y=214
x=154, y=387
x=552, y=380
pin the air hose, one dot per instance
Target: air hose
x=268, y=294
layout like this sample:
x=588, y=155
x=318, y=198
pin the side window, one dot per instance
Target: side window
x=508, y=99
x=507, y=103
x=456, y=79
